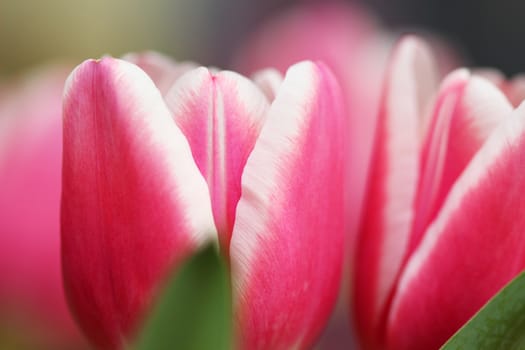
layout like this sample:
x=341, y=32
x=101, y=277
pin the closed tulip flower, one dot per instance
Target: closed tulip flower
x=150, y=173
x=443, y=224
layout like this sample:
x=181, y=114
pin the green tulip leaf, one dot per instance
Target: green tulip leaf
x=500, y=324
x=194, y=312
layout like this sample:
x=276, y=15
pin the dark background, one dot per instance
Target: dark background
x=489, y=33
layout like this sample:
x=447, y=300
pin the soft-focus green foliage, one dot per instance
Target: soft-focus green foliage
x=500, y=324
x=195, y=310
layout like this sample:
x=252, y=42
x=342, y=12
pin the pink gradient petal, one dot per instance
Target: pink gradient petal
x=388, y=210
x=221, y=115
x=161, y=69
x=467, y=110
x=31, y=292
x=471, y=250
x=133, y=200
x=287, y=243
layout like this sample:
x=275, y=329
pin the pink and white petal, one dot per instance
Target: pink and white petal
x=388, y=212
x=161, y=69
x=287, y=243
x=221, y=115
x=268, y=80
x=467, y=111
x=133, y=200
x=472, y=249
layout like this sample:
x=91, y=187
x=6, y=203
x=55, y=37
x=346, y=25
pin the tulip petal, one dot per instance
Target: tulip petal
x=473, y=248
x=161, y=69
x=133, y=200
x=287, y=243
x=221, y=115
x=467, y=110
x=388, y=210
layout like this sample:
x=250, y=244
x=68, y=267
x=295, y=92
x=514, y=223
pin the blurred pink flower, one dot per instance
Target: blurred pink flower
x=351, y=42
x=31, y=295
x=151, y=172
x=443, y=224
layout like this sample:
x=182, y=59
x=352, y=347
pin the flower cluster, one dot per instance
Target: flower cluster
x=413, y=171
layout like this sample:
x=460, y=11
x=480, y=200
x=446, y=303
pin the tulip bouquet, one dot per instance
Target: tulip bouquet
x=147, y=178
x=418, y=176
x=442, y=229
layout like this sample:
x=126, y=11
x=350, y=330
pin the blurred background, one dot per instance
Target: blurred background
x=488, y=32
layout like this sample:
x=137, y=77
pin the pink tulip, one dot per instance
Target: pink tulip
x=148, y=177
x=352, y=44
x=32, y=301
x=443, y=223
